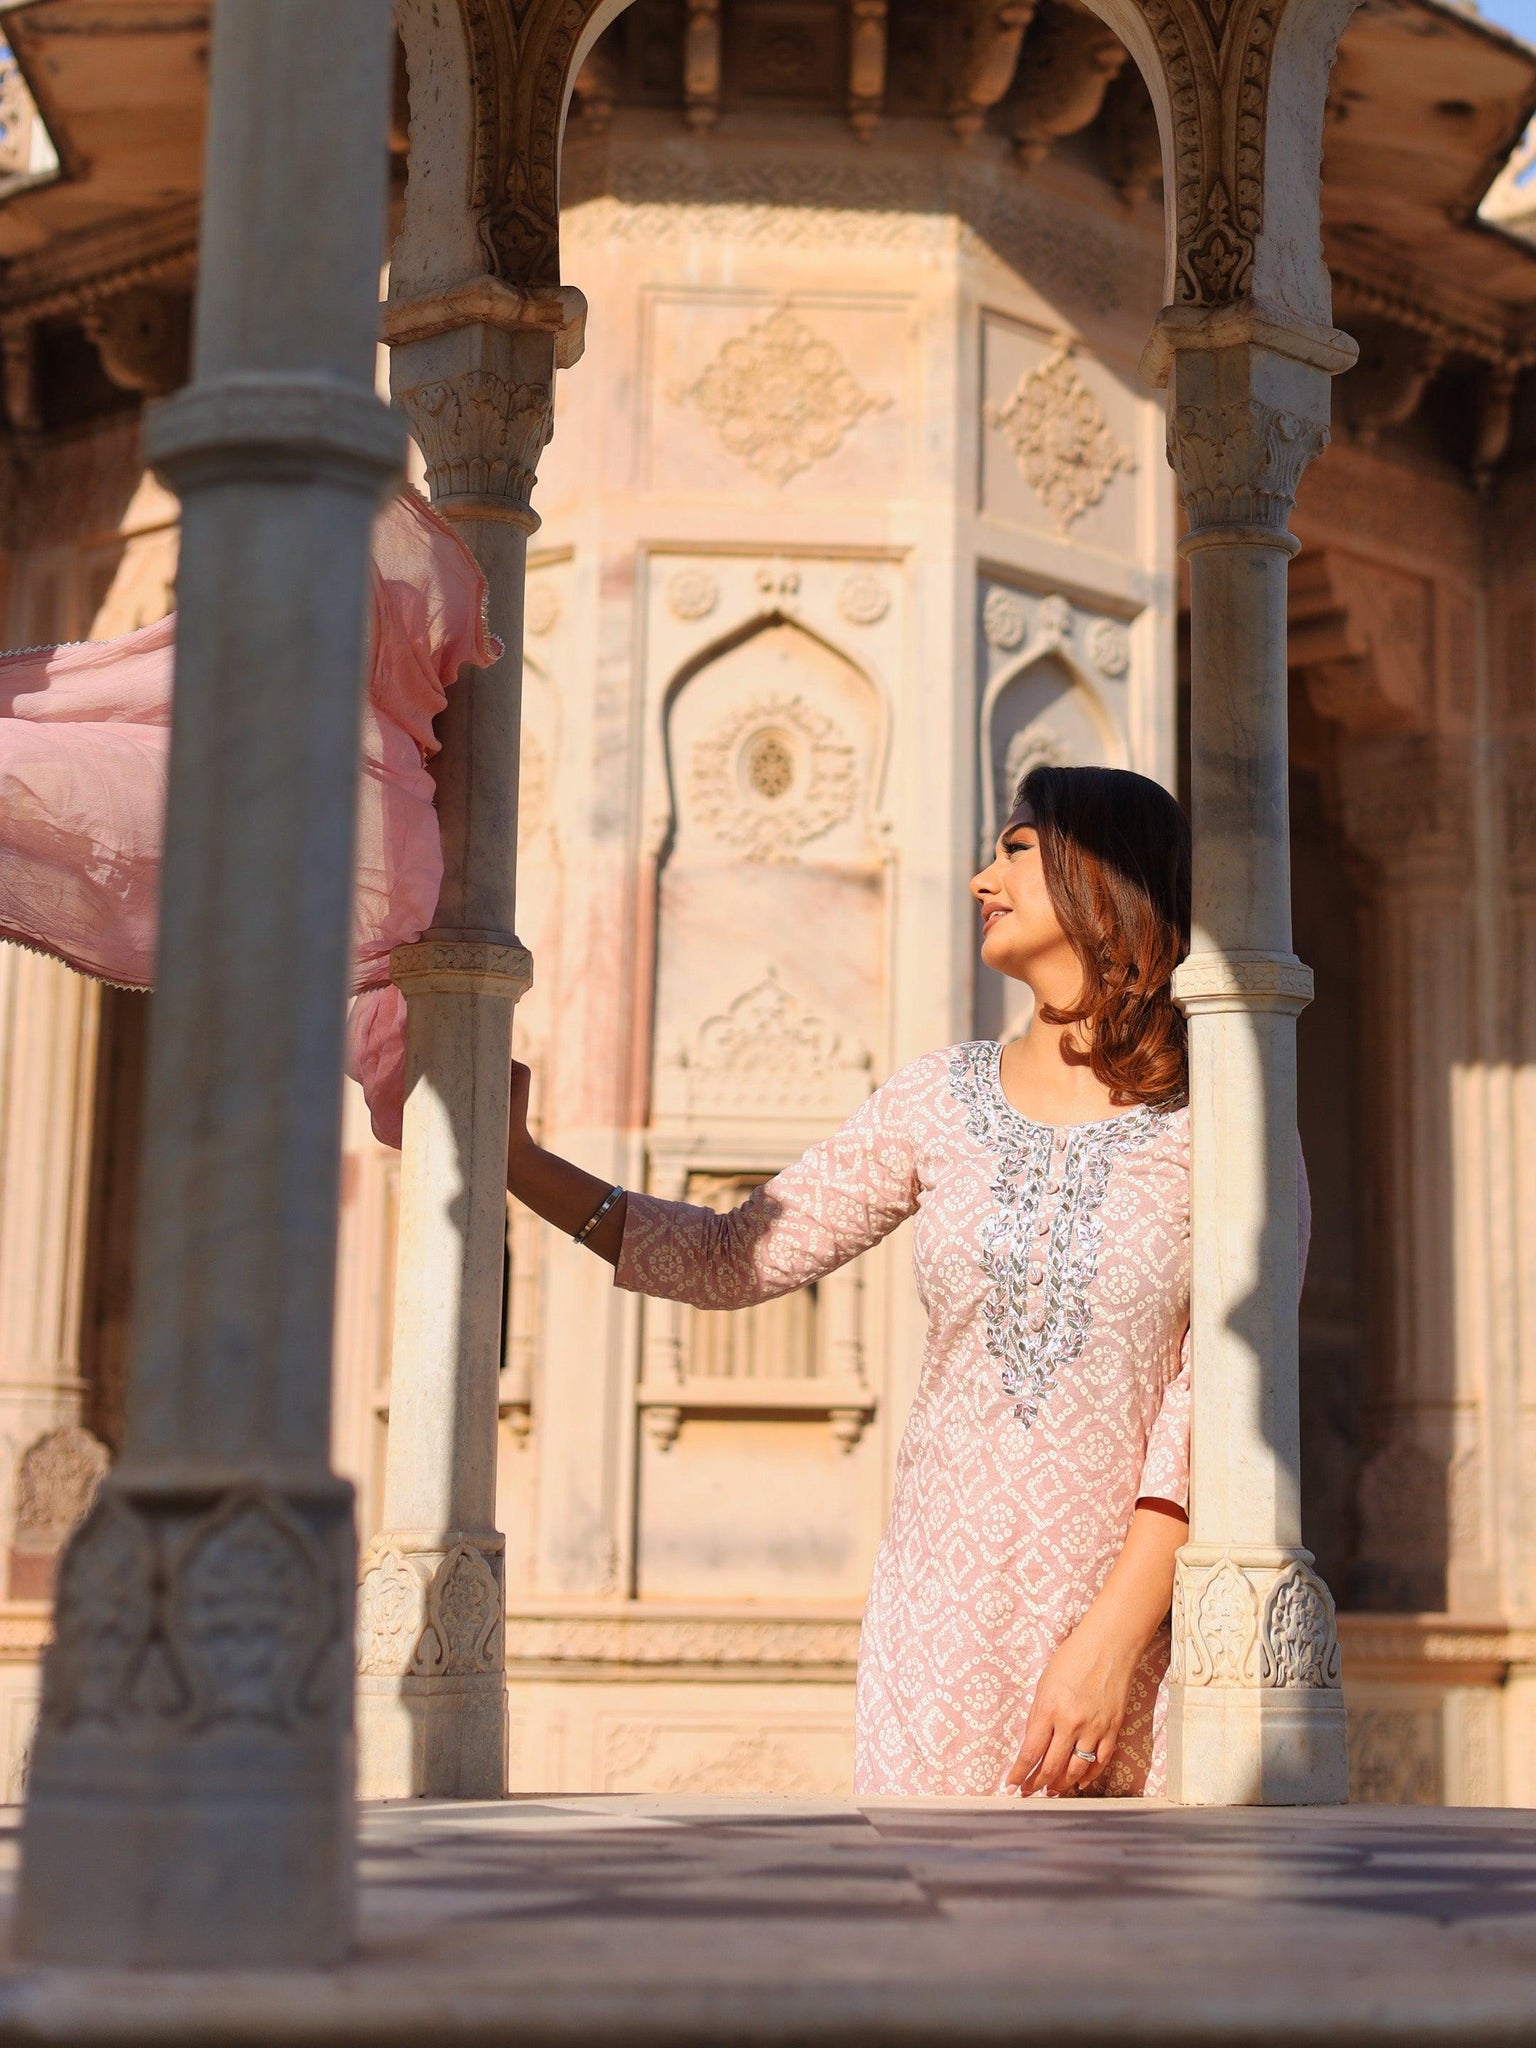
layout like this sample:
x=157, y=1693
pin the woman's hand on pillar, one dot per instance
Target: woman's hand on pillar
x=518, y=1139
x=552, y=1187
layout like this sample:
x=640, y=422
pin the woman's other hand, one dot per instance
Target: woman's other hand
x=1079, y=1705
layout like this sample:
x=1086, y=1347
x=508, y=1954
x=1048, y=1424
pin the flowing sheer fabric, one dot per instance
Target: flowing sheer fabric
x=84, y=743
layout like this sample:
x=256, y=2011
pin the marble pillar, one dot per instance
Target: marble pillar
x=191, y=1791
x=1256, y=1713
x=48, y=1036
x=472, y=367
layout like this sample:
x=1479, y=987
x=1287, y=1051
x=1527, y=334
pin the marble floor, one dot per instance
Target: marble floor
x=657, y=1921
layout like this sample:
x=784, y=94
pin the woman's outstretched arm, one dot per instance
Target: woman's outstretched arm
x=1080, y=1701
x=840, y=1197
x=552, y=1187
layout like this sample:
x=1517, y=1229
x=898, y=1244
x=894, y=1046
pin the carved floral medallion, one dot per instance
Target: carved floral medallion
x=1060, y=438
x=774, y=777
x=780, y=397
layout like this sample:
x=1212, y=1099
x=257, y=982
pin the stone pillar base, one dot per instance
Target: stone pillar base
x=218, y=1858
x=432, y=1687
x=191, y=1784
x=1255, y=1706
x=1243, y=1746
x=432, y=1738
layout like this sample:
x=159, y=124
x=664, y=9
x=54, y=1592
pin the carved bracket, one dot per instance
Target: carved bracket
x=986, y=56
x=866, y=65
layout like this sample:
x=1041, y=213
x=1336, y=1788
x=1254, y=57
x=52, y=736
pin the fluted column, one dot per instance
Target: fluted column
x=473, y=369
x=191, y=1787
x=1256, y=1715
x=1408, y=804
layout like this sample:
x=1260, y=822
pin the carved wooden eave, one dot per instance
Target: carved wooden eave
x=1427, y=103
x=77, y=272
x=986, y=52
x=117, y=163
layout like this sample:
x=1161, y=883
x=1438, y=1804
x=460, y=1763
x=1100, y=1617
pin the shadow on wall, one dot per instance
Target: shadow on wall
x=1326, y=915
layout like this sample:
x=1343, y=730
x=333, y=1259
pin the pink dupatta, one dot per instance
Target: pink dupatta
x=84, y=741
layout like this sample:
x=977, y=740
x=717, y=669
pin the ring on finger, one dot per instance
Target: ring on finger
x=1087, y=1756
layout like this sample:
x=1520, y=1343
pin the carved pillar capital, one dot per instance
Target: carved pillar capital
x=1238, y=463
x=473, y=370
x=1248, y=405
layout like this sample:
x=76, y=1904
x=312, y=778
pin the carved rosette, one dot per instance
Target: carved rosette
x=1264, y=1626
x=481, y=434
x=430, y=1612
x=57, y=1479
x=200, y=1618
x=1239, y=464
x=776, y=776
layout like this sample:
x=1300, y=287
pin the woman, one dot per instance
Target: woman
x=1014, y=1635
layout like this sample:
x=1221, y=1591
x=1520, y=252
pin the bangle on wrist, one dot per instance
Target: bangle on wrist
x=614, y=1194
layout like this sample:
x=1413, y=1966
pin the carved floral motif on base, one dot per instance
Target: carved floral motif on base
x=1222, y=1635
x=427, y=1615
x=227, y=1616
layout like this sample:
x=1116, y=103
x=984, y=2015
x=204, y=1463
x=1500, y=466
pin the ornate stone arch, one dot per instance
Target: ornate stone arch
x=810, y=736
x=660, y=805
x=1239, y=88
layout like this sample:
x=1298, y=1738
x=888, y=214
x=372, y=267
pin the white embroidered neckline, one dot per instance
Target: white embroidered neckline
x=1037, y=1325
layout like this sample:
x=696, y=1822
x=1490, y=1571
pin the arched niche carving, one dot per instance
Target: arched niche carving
x=772, y=867
x=1042, y=710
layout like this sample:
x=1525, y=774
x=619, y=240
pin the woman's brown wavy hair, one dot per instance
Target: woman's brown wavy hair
x=1114, y=850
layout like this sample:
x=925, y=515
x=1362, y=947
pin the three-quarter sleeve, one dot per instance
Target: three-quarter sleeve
x=1165, y=1468
x=838, y=1199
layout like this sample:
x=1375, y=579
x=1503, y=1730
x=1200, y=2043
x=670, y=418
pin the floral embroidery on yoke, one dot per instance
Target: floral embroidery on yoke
x=1040, y=1246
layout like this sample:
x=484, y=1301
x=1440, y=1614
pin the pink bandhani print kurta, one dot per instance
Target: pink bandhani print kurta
x=1053, y=1262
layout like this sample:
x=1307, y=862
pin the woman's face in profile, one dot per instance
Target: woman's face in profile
x=1019, y=925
